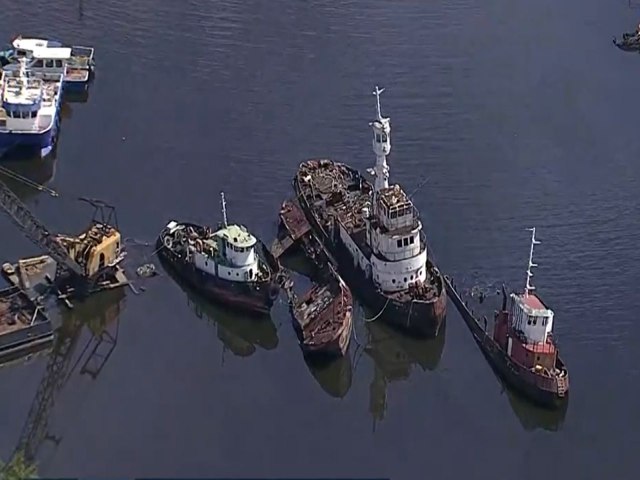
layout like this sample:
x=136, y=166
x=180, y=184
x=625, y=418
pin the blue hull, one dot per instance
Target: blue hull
x=28, y=145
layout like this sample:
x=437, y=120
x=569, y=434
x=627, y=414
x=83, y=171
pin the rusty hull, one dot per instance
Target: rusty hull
x=323, y=317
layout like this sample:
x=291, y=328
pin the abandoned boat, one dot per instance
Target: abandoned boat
x=322, y=317
x=376, y=236
x=29, y=114
x=521, y=347
x=228, y=265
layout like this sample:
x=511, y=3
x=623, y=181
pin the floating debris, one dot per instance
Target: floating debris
x=147, y=270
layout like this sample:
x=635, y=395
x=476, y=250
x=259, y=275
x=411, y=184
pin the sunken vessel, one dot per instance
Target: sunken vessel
x=520, y=345
x=227, y=265
x=322, y=316
x=376, y=235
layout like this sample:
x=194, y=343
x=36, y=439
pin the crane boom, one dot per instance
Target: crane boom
x=35, y=230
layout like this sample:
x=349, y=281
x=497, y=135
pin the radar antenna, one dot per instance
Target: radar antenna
x=224, y=209
x=528, y=287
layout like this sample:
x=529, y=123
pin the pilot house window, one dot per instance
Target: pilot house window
x=400, y=243
x=411, y=240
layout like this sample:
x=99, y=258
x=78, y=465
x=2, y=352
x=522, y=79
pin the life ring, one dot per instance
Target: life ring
x=168, y=243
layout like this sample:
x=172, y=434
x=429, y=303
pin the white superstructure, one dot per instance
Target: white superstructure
x=29, y=104
x=398, y=250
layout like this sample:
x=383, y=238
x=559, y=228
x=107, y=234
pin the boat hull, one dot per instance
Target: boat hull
x=414, y=316
x=29, y=145
x=548, y=392
x=336, y=347
x=251, y=297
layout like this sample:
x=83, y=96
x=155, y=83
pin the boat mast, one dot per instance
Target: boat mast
x=528, y=287
x=381, y=145
x=224, y=209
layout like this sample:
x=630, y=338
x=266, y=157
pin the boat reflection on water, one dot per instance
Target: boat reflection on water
x=240, y=333
x=24, y=177
x=76, y=96
x=333, y=375
x=532, y=417
x=100, y=314
x=395, y=355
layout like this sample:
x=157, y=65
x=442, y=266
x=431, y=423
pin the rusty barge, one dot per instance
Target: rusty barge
x=376, y=235
x=521, y=347
x=24, y=327
x=322, y=316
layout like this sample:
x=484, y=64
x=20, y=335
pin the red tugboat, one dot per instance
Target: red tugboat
x=521, y=347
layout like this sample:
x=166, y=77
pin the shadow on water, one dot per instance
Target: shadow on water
x=36, y=171
x=75, y=349
x=238, y=332
x=530, y=415
x=394, y=356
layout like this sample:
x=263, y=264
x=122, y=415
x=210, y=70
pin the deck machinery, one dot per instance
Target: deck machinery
x=82, y=264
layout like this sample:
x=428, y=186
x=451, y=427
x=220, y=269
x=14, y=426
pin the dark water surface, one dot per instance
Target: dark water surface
x=520, y=114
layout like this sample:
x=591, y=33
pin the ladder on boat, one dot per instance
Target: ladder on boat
x=562, y=385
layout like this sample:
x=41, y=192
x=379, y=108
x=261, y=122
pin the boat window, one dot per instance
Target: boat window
x=251, y=273
x=384, y=137
x=400, y=243
x=34, y=114
x=544, y=321
x=378, y=137
x=48, y=63
x=393, y=280
x=58, y=63
x=37, y=64
x=411, y=240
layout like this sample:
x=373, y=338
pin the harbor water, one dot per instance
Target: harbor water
x=509, y=114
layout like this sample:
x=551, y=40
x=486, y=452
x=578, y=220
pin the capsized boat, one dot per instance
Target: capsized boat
x=228, y=265
x=521, y=347
x=29, y=114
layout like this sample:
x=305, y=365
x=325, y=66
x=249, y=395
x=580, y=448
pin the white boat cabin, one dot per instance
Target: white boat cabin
x=28, y=104
x=229, y=254
x=51, y=57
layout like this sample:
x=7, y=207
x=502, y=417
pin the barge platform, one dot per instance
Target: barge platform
x=24, y=327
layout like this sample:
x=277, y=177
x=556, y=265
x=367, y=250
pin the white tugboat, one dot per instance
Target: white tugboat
x=228, y=265
x=376, y=235
x=29, y=113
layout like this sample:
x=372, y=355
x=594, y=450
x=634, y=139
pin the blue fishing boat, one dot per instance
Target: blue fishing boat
x=29, y=113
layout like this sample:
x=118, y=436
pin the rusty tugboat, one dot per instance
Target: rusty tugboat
x=521, y=347
x=375, y=234
x=322, y=316
x=228, y=265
